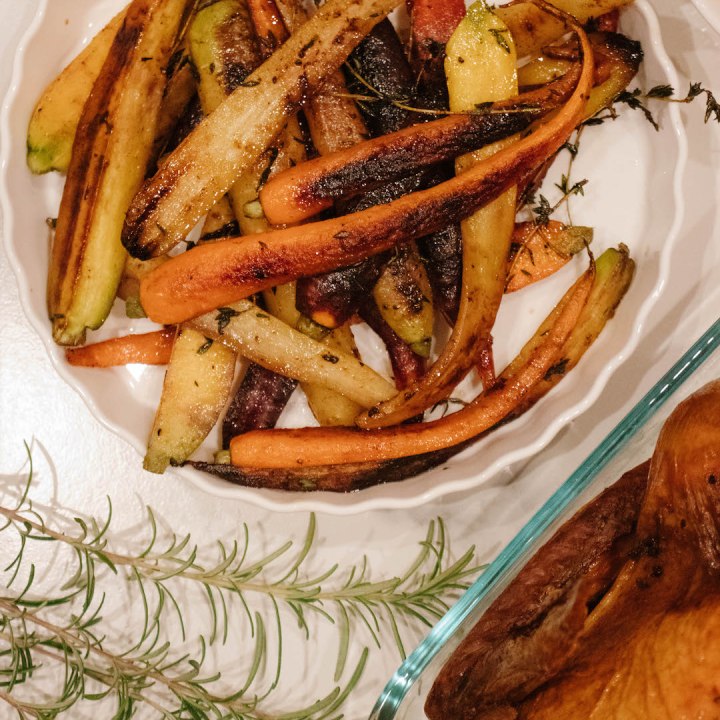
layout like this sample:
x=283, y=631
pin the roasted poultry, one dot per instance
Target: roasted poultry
x=617, y=617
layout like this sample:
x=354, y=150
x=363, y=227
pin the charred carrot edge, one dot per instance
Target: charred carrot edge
x=212, y=276
x=328, y=446
x=331, y=299
x=380, y=62
x=301, y=192
x=151, y=348
x=229, y=140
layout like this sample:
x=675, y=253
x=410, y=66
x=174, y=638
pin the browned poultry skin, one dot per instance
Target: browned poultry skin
x=651, y=648
x=526, y=636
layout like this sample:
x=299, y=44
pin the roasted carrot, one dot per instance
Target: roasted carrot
x=332, y=298
x=538, y=251
x=231, y=138
x=478, y=70
x=330, y=478
x=299, y=193
x=613, y=273
x=151, y=348
x=335, y=124
x=379, y=68
x=327, y=446
x=269, y=25
x=211, y=276
x=608, y=22
x=432, y=22
x=442, y=252
x=614, y=270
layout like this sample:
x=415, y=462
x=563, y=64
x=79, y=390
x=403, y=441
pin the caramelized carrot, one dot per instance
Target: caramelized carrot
x=269, y=25
x=607, y=22
x=301, y=192
x=538, y=251
x=215, y=275
x=331, y=299
x=433, y=21
x=327, y=446
x=258, y=402
x=151, y=348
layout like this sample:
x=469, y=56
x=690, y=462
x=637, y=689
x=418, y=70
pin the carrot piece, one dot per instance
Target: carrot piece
x=151, y=348
x=432, y=22
x=327, y=446
x=229, y=140
x=269, y=25
x=541, y=250
x=303, y=191
x=608, y=22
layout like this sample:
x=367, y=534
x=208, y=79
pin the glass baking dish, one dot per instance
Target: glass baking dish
x=630, y=442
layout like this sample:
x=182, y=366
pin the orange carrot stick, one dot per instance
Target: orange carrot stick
x=328, y=446
x=307, y=189
x=151, y=348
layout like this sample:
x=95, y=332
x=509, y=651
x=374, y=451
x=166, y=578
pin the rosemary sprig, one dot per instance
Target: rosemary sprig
x=151, y=671
x=173, y=687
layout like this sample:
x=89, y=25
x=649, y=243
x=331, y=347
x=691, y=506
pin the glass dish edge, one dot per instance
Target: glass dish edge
x=522, y=544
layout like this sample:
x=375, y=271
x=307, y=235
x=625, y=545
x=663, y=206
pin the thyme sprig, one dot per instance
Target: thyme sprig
x=152, y=671
x=543, y=211
x=635, y=100
x=375, y=95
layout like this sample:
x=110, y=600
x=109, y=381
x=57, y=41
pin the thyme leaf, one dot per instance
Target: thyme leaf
x=223, y=318
x=206, y=345
x=633, y=99
x=500, y=38
x=543, y=210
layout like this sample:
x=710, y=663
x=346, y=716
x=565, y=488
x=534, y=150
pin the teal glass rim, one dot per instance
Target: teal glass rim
x=408, y=673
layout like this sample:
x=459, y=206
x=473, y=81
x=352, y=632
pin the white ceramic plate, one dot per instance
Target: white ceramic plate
x=710, y=10
x=633, y=196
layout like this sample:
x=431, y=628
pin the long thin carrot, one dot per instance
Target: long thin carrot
x=327, y=446
x=151, y=348
x=301, y=192
x=215, y=275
